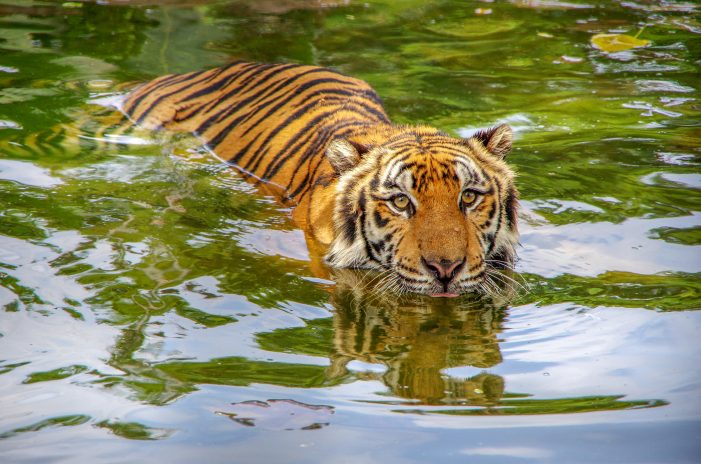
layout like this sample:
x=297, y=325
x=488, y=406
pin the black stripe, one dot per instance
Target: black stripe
x=287, y=98
x=306, y=130
x=309, y=127
x=390, y=183
x=475, y=265
x=456, y=150
x=362, y=203
x=492, y=241
x=241, y=153
x=224, y=81
x=378, y=246
x=379, y=220
x=492, y=209
x=317, y=146
x=143, y=93
x=228, y=110
x=217, y=139
x=304, y=186
x=348, y=228
x=312, y=97
x=412, y=280
x=159, y=85
x=510, y=206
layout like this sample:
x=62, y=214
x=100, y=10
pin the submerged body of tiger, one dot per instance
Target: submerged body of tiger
x=436, y=213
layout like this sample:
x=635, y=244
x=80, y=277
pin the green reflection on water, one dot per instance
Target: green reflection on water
x=134, y=430
x=690, y=236
x=61, y=421
x=240, y=371
x=665, y=292
x=55, y=374
x=549, y=406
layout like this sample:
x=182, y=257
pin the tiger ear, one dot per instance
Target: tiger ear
x=497, y=140
x=344, y=154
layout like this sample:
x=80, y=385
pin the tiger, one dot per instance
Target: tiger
x=433, y=213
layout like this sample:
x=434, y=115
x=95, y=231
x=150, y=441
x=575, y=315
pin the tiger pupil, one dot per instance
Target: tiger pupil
x=401, y=201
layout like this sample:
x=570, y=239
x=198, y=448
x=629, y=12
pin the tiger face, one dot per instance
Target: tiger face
x=436, y=214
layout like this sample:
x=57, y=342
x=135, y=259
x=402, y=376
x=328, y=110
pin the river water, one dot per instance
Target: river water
x=154, y=307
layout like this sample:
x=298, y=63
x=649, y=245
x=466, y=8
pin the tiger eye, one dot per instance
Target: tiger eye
x=401, y=201
x=468, y=197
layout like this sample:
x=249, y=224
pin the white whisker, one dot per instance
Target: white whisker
x=508, y=281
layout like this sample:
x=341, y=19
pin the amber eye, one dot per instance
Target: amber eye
x=468, y=198
x=401, y=202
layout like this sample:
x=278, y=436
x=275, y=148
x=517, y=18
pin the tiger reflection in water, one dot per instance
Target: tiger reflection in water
x=417, y=339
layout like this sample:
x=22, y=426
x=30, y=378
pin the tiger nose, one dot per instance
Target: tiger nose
x=444, y=269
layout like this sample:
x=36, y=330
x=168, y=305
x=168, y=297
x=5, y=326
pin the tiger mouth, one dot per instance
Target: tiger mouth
x=431, y=286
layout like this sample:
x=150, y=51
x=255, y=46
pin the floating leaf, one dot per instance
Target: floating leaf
x=617, y=42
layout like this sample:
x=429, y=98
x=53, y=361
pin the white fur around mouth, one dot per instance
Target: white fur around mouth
x=433, y=288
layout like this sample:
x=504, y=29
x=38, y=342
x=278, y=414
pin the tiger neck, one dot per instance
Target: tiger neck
x=314, y=210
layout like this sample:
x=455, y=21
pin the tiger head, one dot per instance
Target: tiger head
x=436, y=214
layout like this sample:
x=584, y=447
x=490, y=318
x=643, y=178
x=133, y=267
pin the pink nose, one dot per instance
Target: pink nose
x=444, y=270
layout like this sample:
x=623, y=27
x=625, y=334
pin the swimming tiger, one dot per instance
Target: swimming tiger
x=436, y=214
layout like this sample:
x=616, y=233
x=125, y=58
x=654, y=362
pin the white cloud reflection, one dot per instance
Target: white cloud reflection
x=593, y=248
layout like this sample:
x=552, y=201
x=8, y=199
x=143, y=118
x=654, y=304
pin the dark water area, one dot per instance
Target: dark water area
x=155, y=307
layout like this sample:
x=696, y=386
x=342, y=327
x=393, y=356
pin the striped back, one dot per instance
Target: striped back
x=273, y=121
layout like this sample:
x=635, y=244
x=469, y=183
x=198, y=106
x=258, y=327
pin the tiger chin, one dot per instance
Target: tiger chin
x=434, y=214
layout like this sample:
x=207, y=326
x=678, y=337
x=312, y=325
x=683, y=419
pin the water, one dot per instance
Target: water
x=155, y=307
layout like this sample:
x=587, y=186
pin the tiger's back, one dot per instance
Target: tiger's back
x=273, y=121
